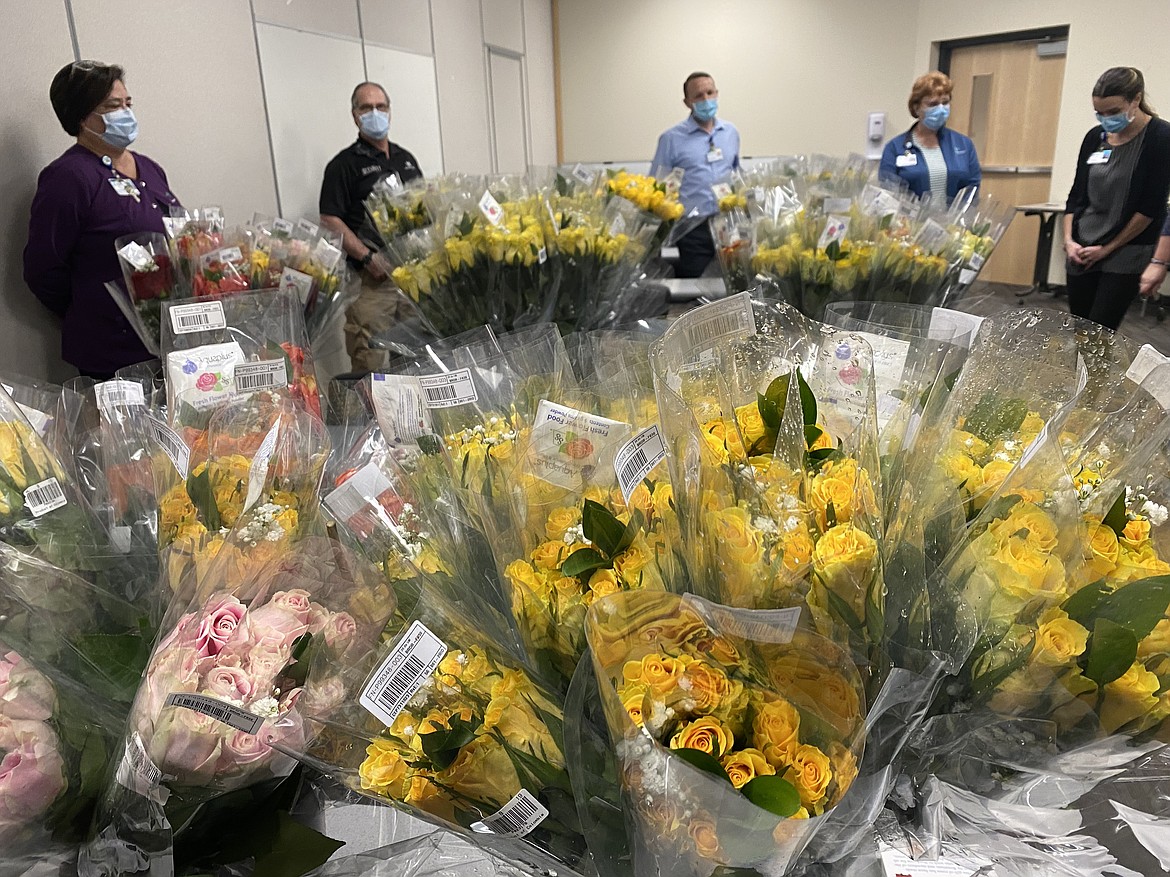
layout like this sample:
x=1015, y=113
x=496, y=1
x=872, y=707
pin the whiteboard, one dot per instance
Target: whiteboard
x=414, y=102
x=308, y=79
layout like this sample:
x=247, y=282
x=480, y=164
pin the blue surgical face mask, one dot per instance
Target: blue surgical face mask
x=704, y=110
x=935, y=117
x=121, y=128
x=1115, y=123
x=375, y=124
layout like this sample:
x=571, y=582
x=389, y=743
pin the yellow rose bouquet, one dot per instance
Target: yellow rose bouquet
x=451, y=728
x=397, y=209
x=736, y=734
x=781, y=502
x=602, y=247
x=650, y=195
x=981, y=222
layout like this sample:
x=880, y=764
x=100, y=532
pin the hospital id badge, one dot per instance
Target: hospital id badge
x=714, y=154
x=125, y=188
x=1101, y=156
x=908, y=159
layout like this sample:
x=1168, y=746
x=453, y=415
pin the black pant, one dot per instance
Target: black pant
x=695, y=252
x=1100, y=297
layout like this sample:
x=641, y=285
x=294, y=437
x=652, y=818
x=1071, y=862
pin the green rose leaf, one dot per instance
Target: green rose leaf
x=1115, y=519
x=582, y=561
x=1138, y=606
x=808, y=402
x=602, y=528
x=296, y=849
x=774, y=794
x=704, y=761
x=1112, y=650
x=770, y=412
x=442, y=746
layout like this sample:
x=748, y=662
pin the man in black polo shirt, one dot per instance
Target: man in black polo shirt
x=349, y=179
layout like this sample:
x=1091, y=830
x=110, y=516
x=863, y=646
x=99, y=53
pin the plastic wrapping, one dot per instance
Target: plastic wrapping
x=734, y=734
x=457, y=731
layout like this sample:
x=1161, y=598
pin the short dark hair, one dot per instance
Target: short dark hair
x=78, y=89
x=698, y=74
x=1126, y=82
x=360, y=86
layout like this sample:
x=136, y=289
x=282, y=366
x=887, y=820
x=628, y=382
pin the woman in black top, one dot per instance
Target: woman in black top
x=1117, y=203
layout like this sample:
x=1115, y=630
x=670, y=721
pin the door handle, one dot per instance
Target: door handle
x=1017, y=169
x=1035, y=169
x=999, y=168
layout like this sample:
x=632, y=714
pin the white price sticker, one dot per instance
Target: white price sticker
x=399, y=406
x=202, y=316
x=721, y=190
x=448, y=390
x=954, y=327
x=220, y=710
x=953, y=864
x=292, y=280
x=44, y=497
x=569, y=445
x=136, y=771
x=258, y=471
x=174, y=225
x=967, y=276
x=759, y=625
x=637, y=458
x=359, y=491
x=227, y=254
x=138, y=256
x=172, y=445
x=516, y=818
x=976, y=261
x=267, y=374
x=701, y=329
x=326, y=255
x=931, y=236
x=491, y=208
x=582, y=174
x=116, y=393
x=1143, y=366
x=309, y=227
x=403, y=672
x=282, y=226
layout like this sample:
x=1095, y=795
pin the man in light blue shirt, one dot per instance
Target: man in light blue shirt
x=707, y=149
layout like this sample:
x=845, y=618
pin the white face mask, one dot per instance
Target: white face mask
x=375, y=124
x=121, y=128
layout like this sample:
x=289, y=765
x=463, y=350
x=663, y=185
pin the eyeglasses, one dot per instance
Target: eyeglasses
x=365, y=108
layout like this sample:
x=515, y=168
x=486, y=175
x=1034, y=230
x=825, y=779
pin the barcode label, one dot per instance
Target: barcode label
x=136, y=771
x=172, y=445
x=976, y=261
x=115, y=393
x=228, y=713
x=637, y=458
x=282, y=225
x=42, y=498
x=308, y=227
x=757, y=625
x=398, y=406
x=264, y=375
x=137, y=255
x=199, y=317
x=448, y=390
x=357, y=492
x=582, y=174
x=402, y=674
x=516, y=818
x=258, y=471
x=703, y=328
x=212, y=214
x=491, y=208
x=227, y=254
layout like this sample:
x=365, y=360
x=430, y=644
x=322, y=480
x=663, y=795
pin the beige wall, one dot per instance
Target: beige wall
x=1100, y=36
x=210, y=81
x=793, y=75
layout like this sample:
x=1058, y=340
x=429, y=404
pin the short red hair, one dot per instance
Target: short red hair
x=929, y=85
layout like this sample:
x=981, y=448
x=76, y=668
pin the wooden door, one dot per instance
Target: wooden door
x=1007, y=100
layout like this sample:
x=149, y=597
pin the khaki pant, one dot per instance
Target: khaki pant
x=373, y=312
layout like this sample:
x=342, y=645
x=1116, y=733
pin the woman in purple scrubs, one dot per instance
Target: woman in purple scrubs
x=97, y=191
